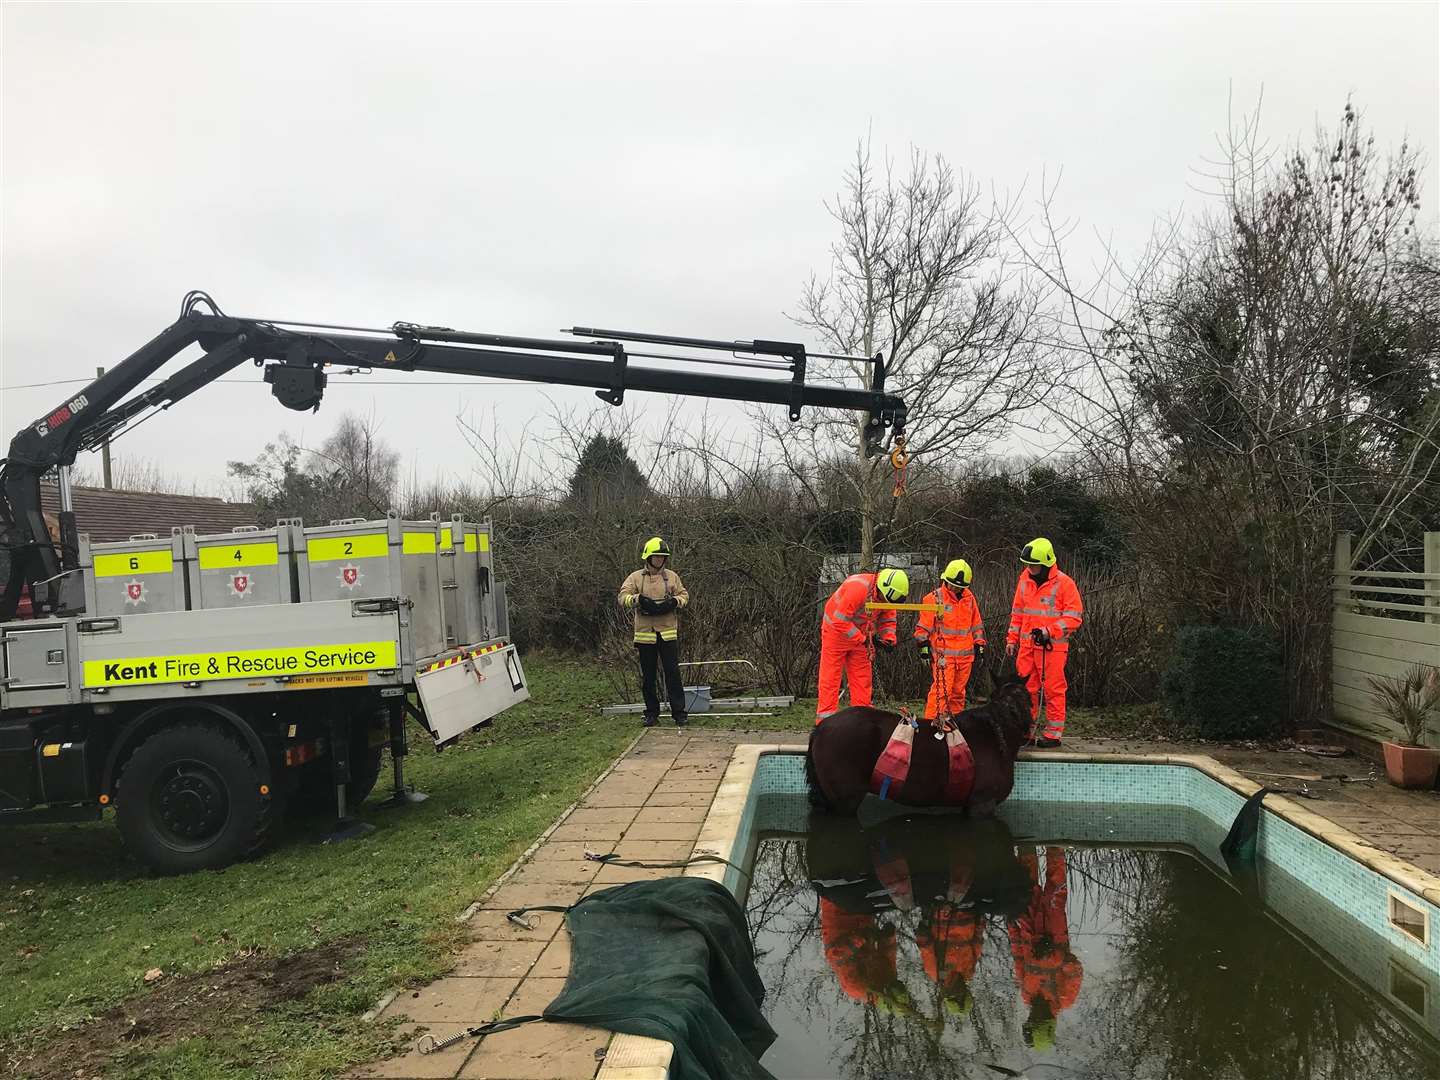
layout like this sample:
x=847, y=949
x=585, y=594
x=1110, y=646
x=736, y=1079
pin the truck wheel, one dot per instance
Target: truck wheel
x=189, y=799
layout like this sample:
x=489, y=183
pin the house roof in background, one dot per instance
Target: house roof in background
x=109, y=514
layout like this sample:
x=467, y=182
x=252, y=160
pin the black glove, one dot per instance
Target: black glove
x=1040, y=636
x=980, y=650
x=649, y=606
x=888, y=646
x=925, y=651
x=666, y=605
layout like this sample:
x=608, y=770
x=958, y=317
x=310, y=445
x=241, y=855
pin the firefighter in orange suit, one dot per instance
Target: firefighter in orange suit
x=861, y=952
x=1048, y=973
x=950, y=938
x=1044, y=617
x=950, y=641
x=847, y=632
x=859, y=949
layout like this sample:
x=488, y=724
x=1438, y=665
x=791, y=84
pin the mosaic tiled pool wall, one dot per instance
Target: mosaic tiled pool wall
x=1318, y=890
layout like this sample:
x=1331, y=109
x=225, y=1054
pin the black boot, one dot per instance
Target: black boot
x=681, y=719
x=651, y=721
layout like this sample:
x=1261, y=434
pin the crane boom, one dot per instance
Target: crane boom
x=295, y=357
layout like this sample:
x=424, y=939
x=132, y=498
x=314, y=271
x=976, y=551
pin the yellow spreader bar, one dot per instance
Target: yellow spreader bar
x=876, y=606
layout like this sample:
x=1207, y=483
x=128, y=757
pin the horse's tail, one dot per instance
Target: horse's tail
x=812, y=782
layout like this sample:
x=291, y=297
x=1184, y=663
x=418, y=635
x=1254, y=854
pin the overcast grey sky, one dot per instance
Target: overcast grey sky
x=516, y=168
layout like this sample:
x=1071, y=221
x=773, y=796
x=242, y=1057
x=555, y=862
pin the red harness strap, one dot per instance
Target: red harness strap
x=888, y=779
x=960, y=771
x=893, y=767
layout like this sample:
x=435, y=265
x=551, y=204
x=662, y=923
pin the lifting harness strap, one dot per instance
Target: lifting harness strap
x=893, y=766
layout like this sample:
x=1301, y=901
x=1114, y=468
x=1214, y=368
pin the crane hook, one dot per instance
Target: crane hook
x=900, y=462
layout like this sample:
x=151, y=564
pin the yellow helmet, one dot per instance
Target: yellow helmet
x=895, y=1000
x=1040, y=1034
x=959, y=1003
x=893, y=585
x=654, y=546
x=957, y=573
x=1038, y=552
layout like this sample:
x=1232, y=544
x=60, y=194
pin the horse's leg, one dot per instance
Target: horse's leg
x=818, y=799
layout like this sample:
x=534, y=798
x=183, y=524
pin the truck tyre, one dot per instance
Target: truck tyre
x=189, y=799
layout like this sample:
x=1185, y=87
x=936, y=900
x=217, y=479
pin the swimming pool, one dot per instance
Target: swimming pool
x=1321, y=963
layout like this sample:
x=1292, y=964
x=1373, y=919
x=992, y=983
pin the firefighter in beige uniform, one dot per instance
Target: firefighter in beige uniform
x=655, y=594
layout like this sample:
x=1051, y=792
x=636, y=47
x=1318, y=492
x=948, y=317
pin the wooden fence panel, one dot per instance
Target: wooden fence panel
x=1374, y=645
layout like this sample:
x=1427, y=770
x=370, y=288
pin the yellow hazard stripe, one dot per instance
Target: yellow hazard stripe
x=332, y=548
x=223, y=557
x=438, y=664
x=484, y=542
x=240, y=664
x=125, y=563
x=418, y=543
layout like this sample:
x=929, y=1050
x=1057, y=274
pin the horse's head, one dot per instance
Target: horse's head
x=1011, y=700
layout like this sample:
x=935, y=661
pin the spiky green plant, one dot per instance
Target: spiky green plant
x=1409, y=700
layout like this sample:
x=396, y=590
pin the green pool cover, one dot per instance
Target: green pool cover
x=670, y=959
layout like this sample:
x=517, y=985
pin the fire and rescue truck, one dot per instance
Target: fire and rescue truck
x=199, y=685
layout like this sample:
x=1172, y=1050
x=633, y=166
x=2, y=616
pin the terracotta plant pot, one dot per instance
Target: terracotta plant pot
x=1411, y=766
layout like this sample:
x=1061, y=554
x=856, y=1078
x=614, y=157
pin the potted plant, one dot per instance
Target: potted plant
x=1409, y=701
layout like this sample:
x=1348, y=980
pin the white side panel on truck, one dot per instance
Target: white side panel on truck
x=479, y=683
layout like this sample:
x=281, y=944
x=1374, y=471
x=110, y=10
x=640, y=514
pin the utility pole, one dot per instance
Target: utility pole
x=105, y=450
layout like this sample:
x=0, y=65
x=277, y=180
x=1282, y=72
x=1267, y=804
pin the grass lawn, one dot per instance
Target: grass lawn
x=267, y=966
x=81, y=923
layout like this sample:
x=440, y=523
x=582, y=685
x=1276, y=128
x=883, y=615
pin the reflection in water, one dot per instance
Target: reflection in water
x=1047, y=972
x=943, y=948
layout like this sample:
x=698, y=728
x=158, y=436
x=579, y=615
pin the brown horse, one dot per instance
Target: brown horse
x=845, y=747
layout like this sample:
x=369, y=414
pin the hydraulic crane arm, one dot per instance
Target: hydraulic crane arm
x=295, y=357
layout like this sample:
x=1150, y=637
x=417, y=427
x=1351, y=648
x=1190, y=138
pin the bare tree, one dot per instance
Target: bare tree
x=355, y=454
x=354, y=472
x=920, y=273
x=1264, y=378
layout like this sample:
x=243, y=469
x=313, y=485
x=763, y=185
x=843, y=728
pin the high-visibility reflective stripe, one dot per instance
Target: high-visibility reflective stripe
x=447, y=542
x=647, y=637
x=418, y=543
x=224, y=557
x=848, y=629
x=1076, y=613
x=944, y=651
x=133, y=562
x=363, y=546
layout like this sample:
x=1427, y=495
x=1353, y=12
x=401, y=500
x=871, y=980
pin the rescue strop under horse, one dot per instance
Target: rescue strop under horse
x=966, y=762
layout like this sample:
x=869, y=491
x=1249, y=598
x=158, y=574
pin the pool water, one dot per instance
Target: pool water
x=939, y=947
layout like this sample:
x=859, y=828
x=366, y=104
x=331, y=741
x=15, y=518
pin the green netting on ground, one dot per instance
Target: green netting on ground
x=670, y=959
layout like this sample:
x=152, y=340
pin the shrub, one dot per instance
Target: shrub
x=1409, y=700
x=1225, y=682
